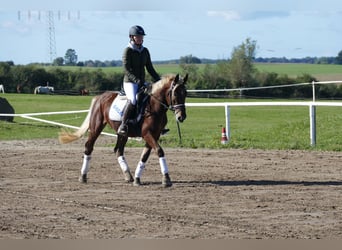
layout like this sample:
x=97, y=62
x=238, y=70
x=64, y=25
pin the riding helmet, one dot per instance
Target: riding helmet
x=136, y=30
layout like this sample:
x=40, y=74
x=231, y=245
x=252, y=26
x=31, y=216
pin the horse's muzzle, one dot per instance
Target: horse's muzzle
x=180, y=115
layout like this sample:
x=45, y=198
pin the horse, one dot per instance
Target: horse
x=169, y=93
x=84, y=92
x=44, y=90
x=19, y=87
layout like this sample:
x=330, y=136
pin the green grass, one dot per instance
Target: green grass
x=161, y=68
x=320, y=71
x=270, y=127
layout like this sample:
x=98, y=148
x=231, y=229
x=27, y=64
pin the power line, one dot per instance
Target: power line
x=50, y=29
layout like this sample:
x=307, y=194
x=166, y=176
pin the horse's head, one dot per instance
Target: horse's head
x=176, y=97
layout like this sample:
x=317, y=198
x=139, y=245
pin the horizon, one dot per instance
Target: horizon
x=288, y=29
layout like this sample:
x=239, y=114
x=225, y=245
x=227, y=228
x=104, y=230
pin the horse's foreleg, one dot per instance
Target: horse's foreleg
x=141, y=165
x=152, y=142
x=166, y=180
x=119, y=150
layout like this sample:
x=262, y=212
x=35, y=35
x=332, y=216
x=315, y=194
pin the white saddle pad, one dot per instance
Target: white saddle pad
x=117, y=107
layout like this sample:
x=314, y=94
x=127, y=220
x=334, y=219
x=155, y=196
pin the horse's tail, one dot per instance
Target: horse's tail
x=66, y=137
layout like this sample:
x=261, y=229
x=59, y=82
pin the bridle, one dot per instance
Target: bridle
x=170, y=93
x=174, y=107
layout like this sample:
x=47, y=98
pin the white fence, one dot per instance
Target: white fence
x=312, y=111
x=311, y=104
x=29, y=116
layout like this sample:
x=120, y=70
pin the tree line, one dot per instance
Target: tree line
x=71, y=59
x=240, y=72
x=237, y=72
x=24, y=78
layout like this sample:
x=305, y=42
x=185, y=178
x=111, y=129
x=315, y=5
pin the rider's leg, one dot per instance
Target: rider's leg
x=131, y=91
x=123, y=129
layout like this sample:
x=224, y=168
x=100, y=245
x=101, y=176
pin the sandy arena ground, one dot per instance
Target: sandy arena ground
x=217, y=194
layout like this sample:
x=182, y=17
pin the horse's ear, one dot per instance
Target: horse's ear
x=176, y=78
x=185, y=79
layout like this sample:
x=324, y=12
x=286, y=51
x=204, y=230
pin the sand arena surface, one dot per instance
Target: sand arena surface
x=216, y=194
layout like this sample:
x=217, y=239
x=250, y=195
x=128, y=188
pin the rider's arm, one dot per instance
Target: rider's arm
x=150, y=68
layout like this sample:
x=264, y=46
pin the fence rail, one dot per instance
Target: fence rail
x=311, y=104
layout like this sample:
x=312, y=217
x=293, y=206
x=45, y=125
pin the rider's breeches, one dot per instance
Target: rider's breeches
x=131, y=90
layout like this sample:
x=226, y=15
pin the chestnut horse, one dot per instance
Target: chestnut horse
x=169, y=93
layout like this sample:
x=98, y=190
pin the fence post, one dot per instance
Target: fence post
x=227, y=113
x=313, y=117
x=313, y=91
x=312, y=108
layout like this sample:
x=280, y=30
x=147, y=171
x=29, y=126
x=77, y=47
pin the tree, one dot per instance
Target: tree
x=5, y=75
x=189, y=59
x=70, y=57
x=58, y=61
x=241, y=64
x=339, y=58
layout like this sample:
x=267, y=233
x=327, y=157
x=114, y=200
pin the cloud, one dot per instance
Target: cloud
x=9, y=26
x=265, y=15
x=227, y=15
x=231, y=15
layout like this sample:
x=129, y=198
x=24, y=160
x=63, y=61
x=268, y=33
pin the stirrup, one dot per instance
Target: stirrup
x=164, y=131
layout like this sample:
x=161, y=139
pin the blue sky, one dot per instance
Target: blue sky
x=98, y=30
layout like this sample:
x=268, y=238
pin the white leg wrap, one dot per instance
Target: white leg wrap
x=123, y=164
x=139, y=170
x=85, y=165
x=163, y=165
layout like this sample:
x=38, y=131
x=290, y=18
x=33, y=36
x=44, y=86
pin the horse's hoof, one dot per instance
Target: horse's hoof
x=166, y=181
x=128, y=176
x=137, y=182
x=83, y=178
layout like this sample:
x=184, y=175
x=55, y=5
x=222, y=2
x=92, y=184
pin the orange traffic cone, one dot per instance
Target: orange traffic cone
x=224, y=139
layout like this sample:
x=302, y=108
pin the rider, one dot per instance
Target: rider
x=135, y=58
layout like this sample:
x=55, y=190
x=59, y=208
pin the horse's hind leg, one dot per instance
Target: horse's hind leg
x=95, y=130
x=119, y=150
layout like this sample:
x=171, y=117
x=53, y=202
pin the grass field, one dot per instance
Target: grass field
x=269, y=127
x=323, y=72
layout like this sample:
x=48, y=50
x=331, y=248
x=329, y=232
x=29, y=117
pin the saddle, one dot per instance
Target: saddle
x=118, y=105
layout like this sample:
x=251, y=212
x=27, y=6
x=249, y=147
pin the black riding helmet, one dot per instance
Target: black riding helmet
x=136, y=30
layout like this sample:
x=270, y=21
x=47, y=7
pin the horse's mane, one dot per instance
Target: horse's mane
x=162, y=82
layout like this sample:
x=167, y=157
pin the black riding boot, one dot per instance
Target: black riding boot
x=123, y=129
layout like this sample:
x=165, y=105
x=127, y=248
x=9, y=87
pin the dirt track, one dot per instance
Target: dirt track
x=244, y=194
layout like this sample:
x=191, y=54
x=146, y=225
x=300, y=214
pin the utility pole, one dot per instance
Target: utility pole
x=50, y=29
x=52, y=51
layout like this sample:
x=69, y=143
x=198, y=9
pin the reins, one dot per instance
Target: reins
x=171, y=107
